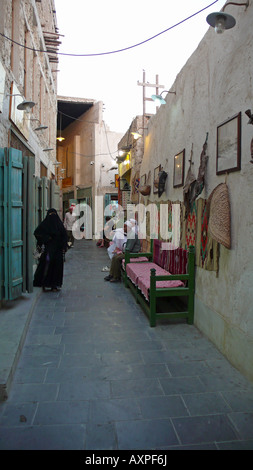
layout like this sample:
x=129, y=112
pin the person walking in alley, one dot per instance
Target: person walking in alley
x=132, y=245
x=52, y=239
x=69, y=221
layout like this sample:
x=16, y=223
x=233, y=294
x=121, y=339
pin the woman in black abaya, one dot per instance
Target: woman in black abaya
x=52, y=238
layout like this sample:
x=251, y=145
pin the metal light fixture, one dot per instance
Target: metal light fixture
x=41, y=127
x=136, y=135
x=60, y=138
x=121, y=158
x=54, y=163
x=159, y=98
x=113, y=168
x=48, y=149
x=221, y=21
x=123, y=151
x=26, y=106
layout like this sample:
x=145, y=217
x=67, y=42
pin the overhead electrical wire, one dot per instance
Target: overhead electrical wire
x=117, y=50
x=95, y=155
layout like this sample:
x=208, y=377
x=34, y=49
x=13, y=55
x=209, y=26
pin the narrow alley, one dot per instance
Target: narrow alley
x=94, y=376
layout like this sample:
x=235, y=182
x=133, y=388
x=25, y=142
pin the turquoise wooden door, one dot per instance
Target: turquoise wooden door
x=28, y=222
x=11, y=224
x=3, y=207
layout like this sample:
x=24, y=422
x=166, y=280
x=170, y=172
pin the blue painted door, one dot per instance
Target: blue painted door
x=2, y=229
x=11, y=266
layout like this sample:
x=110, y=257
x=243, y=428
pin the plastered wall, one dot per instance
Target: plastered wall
x=214, y=85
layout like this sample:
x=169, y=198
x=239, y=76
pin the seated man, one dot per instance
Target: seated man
x=132, y=245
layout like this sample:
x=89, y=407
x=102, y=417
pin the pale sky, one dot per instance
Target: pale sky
x=100, y=26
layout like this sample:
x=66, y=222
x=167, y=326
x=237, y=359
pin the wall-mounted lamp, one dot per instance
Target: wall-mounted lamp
x=25, y=105
x=113, y=168
x=121, y=158
x=159, y=98
x=41, y=127
x=55, y=163
x=136, y=135
x=48, y=149
x=221, y=21
x=123, y=151
x=125, y=148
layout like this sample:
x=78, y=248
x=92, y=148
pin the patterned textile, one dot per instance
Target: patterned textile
x=135, y=184
x=189, y=228
x=156, y=251
x=160, y=256
x=207, y=249
x=169, y=216
x=178, y=260
x=173, y=260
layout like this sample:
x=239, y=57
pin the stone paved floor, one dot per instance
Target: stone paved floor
x=94, y=376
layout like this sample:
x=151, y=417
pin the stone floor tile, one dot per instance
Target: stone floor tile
x=101, y=437
x=22, y=393
x=145, y=434
x=67, y=412
x=135, y=388
x=69, y=437
x=162, y=407
x=204, y=429
x=205, y=403
x=119, y=409
x=243, y=423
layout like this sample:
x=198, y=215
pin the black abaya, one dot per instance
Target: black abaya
x=52, y=234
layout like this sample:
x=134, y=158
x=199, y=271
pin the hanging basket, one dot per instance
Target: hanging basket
x=219, y=225
x=145, y=190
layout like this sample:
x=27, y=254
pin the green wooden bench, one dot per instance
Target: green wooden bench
x=144, y=280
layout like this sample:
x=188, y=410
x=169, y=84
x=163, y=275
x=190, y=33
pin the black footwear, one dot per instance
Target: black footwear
x=114, y=280
x=108, y=278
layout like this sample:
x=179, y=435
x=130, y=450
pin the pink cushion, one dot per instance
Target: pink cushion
x=144, y=284
x=135, y=270
x=135, y=260
x=140, y=276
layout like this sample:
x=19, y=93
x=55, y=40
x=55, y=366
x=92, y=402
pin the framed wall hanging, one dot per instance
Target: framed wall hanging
x=178, y=175
x=143, y=180
x=229, y=145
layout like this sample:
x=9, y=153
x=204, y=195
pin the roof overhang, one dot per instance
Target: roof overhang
x=70, y=109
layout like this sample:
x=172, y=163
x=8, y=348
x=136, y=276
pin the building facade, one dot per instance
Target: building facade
x=29, y=43
x=87, y=159
x=28, y=71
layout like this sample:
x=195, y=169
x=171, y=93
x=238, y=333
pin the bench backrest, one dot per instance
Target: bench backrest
x=173, y=260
